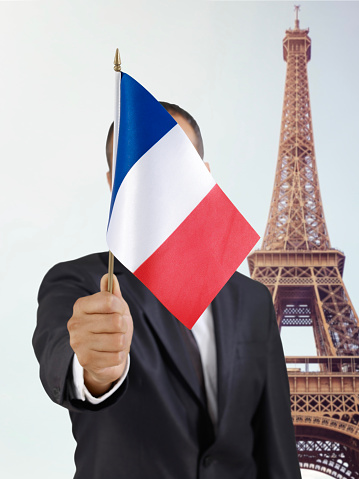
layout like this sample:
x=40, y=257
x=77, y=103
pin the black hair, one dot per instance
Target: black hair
x=171, y=108
x=109, y=151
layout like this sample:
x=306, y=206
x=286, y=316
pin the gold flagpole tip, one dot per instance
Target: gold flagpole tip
x=117, y=61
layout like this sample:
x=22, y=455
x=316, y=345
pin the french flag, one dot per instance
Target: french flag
x=170, y=223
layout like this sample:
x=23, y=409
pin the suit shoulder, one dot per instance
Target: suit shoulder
x=86, y=271
x=89, y=262
x=250, y=286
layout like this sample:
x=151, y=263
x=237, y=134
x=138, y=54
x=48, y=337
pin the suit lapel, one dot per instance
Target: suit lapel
x=227, y=314
x=226, y=309
x=166, y=328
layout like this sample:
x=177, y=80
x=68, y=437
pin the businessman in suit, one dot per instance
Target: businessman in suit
x=146, y=398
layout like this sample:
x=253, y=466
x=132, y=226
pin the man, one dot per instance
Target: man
x=156, y=413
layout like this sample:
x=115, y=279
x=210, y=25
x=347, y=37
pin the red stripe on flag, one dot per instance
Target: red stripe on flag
x=188, y=270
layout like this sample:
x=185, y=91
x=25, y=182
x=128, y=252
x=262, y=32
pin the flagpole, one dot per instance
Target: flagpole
x=117, y=68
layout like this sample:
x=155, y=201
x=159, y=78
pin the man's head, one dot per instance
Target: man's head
x=182, y=117
x=189, y=125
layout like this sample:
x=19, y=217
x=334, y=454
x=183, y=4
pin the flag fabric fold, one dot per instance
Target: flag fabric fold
x=170, y=223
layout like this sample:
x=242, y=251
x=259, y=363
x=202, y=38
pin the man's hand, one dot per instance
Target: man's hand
x=101, y=330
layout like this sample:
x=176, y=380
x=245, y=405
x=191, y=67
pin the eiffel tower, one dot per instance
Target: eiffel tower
x=305, y=276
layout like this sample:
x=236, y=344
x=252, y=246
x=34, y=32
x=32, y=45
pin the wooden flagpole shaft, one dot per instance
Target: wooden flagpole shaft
x=117, y=68
x=110, y=272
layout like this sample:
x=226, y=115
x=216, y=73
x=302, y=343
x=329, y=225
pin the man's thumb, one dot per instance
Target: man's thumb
x=115, y=287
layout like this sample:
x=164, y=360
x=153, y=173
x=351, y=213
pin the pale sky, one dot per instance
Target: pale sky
x=220, y=60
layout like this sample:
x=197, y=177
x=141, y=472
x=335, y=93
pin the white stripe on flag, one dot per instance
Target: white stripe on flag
x=157, y=194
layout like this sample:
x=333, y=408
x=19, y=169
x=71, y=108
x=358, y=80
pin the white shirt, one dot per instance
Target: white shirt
x=203, y=331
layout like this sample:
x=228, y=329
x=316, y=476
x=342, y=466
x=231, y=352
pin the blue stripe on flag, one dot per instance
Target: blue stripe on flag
x=143, y=122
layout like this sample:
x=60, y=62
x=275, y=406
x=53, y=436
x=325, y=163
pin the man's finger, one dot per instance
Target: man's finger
x=116, y=287
x=102, y=303
x=109, y=342
x=112, y=323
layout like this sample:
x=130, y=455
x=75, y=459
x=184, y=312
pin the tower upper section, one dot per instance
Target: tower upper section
x=297, y=41
x=296, y=217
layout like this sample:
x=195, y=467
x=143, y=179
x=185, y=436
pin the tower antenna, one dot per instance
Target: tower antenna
x=296, y=23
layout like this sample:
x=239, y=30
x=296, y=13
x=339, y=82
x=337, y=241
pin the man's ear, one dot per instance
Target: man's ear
x=109, y=179
x=207, y=166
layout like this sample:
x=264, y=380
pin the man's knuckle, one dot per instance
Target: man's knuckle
x=73, y=327
x=119, y=358
x=73, y=343
x=125, y=305
x=86, y=359
x=70, y=324
x=78, y=305
x=121, y=343
x=117, y=322
x=108, y=303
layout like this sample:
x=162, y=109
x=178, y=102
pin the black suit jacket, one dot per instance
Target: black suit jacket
x=156, y=425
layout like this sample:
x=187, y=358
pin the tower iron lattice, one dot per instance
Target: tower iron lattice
x=305, y=276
